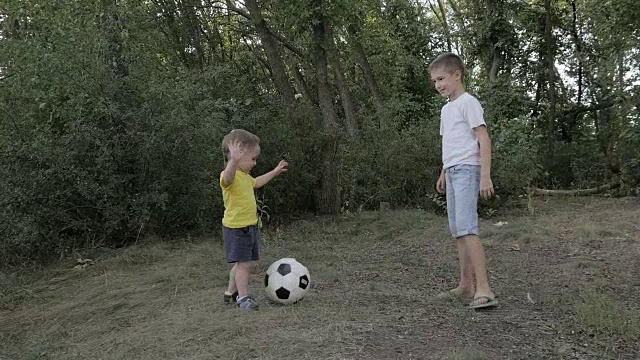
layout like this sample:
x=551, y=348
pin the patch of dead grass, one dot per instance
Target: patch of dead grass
x=464, y=354
x=606, y=316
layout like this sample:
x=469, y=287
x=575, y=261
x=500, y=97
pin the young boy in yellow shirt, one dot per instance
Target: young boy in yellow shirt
x=240, y=222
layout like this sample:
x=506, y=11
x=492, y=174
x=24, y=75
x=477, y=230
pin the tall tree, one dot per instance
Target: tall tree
x=367, y=72
x=272, y=51
x=346, y=98
x=329, y=202
x=550, y=64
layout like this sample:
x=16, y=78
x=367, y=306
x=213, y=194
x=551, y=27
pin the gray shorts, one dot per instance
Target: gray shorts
x=463, y=187
x=242, y=244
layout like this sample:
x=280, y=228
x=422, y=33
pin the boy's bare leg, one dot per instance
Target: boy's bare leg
x=478, y=264
x=242, y=278
x=465, y=288
x=232, y=280
x=466, y=271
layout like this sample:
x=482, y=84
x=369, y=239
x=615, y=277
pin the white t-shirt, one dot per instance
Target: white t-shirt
x=458, y=118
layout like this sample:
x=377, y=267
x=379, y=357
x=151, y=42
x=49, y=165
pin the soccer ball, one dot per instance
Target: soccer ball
x=287, y=281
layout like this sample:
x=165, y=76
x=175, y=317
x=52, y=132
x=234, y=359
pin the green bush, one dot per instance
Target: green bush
x=400, y=167
x=515, y=165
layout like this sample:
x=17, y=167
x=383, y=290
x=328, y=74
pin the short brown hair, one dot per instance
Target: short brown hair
x=450, y=62
x=245, y=138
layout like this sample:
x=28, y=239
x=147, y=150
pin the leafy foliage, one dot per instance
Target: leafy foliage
x=111, y=113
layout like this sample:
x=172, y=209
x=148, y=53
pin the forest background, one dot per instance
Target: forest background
x=112, y=111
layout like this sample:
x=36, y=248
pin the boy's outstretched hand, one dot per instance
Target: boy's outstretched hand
x=236, y=150
x=264, y=179
x=486, y=187
x=282, y=167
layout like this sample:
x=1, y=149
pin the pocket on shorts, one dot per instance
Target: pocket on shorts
x=464, y=176
x=464, y=170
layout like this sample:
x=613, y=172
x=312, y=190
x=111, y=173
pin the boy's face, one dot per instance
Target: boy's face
x=446, y=82
x=249, y=159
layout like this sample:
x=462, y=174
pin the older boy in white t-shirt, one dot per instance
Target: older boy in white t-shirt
x=466, y=172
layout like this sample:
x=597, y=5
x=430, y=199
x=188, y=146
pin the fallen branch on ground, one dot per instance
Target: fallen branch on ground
x=578, y=192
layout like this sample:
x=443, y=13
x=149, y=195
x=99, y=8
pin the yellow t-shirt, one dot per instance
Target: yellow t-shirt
x=240, y=207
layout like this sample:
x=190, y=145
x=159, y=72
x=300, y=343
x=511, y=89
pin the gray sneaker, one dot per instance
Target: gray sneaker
x=247, y=304
x=228, y=299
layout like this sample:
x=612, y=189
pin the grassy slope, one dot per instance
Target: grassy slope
x=566, y=290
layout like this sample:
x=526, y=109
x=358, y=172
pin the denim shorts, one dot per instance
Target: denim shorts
x=242, y=244
x=463, y=187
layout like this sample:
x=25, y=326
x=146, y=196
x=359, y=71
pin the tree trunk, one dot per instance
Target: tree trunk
x=346, y=98
x=621, y=72
x=175, y=30
x=367, y=72
x=550, y=59
x=578, y=43
x=118, y=66
x=278, y=70
x=194, y=31
x=329, y=199
x=441, y=15
x=458, y=17
x=301, y=84
x=445, y=25
x=493, y=51
x=215, y=40
x=494, y=67
x=536, y=102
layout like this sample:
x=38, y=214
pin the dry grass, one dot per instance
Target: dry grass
x=464, y=355
x=568, y=290
x=605, y=315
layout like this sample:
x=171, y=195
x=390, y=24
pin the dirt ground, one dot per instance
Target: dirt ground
x=567, y=283
x=566, y=278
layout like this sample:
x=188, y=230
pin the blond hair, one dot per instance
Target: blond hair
x=245, y=138
x=450, y=62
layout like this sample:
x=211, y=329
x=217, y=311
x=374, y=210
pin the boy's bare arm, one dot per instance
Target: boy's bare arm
x=441, y=185
x=485, y=150
x=262, y=180
x=235, y=154
x=230, y=172
x=486, y=185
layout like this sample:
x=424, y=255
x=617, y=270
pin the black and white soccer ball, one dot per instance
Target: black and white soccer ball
x=287, y=281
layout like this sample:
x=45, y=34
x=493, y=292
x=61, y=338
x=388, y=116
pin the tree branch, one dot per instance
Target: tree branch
x=237, y=10
x=578, y=192
x=284, y=41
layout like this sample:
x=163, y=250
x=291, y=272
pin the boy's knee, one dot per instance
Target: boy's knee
x=243, y=265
